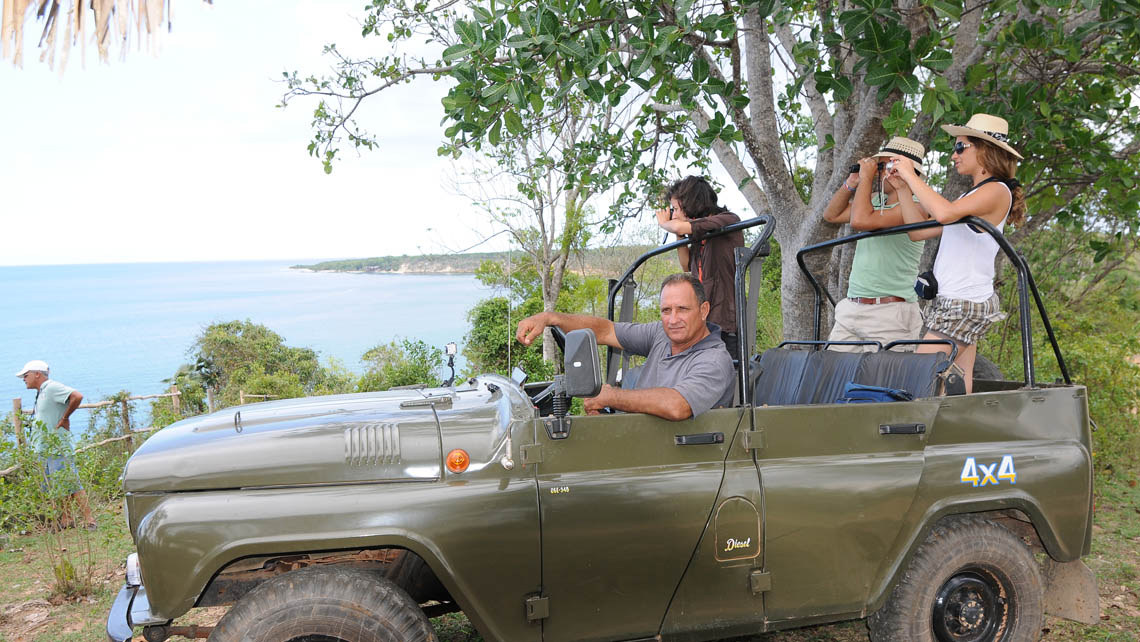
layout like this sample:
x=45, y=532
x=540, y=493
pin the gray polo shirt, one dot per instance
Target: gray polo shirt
x=703, y=374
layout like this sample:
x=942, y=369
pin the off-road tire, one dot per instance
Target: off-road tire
x=325, y=604
x=967, y=562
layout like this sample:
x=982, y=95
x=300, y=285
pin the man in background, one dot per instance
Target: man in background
x=54, y=405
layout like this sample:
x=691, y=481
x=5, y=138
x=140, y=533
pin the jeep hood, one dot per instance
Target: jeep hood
x=357, y=438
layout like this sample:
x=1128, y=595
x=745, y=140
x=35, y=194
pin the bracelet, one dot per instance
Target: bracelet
x=849, y=188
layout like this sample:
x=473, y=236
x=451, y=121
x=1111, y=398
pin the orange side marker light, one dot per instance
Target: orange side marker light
x=458, y=460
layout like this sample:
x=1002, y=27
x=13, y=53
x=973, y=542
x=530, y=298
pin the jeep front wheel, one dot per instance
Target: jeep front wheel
x=328, y=604
x=970, y=581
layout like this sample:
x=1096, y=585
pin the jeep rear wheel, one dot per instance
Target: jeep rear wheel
x=970, y=581
x=325, y=604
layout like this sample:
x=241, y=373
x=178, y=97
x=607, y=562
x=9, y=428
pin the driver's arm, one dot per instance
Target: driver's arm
x=666, y=403
x=531, y=327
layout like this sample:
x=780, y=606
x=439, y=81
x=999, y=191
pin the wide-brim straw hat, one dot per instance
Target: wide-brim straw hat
x=992, y=128
x=899, y=146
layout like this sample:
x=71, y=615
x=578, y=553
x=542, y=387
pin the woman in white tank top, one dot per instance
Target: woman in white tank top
x=966, y=304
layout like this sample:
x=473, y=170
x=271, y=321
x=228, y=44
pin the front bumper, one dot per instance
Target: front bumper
x=130, y=609
x=119, y=627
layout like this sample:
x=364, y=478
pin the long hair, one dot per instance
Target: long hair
x=695, y=195
x=1003, y=166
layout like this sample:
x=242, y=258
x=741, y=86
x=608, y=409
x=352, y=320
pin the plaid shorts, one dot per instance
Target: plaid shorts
x=961, y=320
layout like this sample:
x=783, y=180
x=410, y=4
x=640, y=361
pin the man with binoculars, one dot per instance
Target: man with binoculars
x=881, y=303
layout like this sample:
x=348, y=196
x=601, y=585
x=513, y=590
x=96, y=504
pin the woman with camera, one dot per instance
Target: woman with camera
x=693, y=211
x=966, y=305
x=881, y=304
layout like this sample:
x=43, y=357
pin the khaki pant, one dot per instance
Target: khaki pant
x=882, y=322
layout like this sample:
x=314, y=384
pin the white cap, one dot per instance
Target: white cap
x=35, y=365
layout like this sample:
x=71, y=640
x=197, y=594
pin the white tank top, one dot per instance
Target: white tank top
x=964, y=266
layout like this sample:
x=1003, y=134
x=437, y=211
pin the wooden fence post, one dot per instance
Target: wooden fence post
x=210, y=399
x=241, y=397
x=18, y=419
x=176, y=399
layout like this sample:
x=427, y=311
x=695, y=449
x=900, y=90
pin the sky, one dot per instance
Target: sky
x=183, y=155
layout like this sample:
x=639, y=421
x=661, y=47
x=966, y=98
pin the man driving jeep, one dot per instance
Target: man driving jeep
x=687, y=369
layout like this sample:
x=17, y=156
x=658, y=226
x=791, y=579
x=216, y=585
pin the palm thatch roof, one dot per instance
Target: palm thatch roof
x=110, y=24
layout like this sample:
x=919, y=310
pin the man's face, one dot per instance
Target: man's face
x=681, y=316
x=33, y=380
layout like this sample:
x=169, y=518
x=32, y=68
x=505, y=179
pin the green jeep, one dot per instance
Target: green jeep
x=949, y=517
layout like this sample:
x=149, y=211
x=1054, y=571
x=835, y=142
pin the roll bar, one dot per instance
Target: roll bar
x=745, y=318
x=1025, y=286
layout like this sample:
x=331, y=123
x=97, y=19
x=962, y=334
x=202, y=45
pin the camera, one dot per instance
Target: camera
x=854, y=169
x=890, y=165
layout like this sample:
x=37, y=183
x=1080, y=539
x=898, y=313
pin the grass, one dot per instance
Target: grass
x=27, y=615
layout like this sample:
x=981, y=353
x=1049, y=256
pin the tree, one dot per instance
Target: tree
x=785, y=95
x=109, y=22
x=525, y=189
x=237, y=356
x=400, y=363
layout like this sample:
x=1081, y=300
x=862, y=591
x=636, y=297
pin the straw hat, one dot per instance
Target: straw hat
x=985, y=126
x=899, y=146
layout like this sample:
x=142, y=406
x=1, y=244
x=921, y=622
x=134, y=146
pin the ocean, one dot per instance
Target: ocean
x=110, y=327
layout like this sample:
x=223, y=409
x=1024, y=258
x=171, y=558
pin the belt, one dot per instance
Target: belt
x=882, y=299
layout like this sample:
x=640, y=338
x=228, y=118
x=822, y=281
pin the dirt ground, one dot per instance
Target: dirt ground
x=28, y=612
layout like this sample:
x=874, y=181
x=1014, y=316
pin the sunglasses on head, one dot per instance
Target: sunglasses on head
x=960, y=147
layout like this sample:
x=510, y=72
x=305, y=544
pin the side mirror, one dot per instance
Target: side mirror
x=583, y=371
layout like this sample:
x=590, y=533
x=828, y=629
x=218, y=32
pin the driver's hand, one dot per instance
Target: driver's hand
x=531, y=328
x=594, y=405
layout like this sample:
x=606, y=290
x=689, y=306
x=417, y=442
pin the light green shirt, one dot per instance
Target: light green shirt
x=885, y=266
x=51, y=402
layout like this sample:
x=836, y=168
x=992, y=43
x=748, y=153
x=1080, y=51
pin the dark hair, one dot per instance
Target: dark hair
x=687, y=277
x=695, y=196
x=1003, y=166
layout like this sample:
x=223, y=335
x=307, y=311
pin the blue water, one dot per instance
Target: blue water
x=106, y=328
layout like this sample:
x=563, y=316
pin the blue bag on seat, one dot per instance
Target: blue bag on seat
x=862, y=393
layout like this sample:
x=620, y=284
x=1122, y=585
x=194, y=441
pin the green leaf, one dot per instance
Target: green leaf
x=939, y=60
x=468, y=32
x=640, y=65
x=951, y=9
x=515, y=94
x=843, y=88
x=494, y=135
x=571, y=49
x=455, y=52
x=878, y=75
x=908, y=83
x=494, y=93
x=513, y=122
x=700, y=69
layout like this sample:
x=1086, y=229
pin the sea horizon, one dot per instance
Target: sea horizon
x=107, y=327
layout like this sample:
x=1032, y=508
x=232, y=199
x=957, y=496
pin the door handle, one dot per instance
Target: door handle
x=902, y=429
x=699, y=439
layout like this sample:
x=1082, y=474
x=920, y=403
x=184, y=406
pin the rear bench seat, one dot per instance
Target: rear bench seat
x=788, y=377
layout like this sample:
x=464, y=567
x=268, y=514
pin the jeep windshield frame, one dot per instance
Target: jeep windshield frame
x=1025, y=287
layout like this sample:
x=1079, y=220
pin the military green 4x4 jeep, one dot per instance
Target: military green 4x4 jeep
x=949, y=517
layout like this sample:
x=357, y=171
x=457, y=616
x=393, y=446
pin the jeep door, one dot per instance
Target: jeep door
x=622, y=508
x=837, y=482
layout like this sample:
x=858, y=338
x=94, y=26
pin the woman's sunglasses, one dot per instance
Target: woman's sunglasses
x=960, y=147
